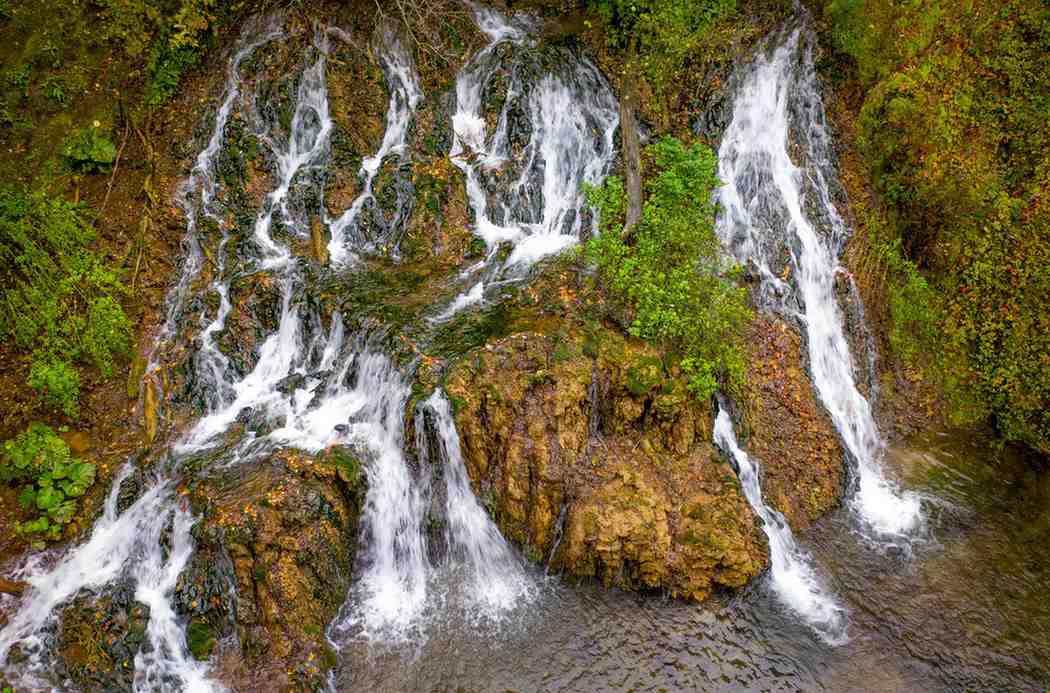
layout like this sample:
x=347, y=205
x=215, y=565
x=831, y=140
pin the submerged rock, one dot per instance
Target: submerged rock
x=598, y=428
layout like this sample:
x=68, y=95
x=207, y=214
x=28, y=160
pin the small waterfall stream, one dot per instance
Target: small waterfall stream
x=773, y=207
x=497, y=577
x=792, y=577
x=551, y=136
x=347, y=231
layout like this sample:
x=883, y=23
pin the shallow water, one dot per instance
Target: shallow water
x=966, y=611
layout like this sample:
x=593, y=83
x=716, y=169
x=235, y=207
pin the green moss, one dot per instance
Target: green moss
x=955, y=129
x=645, y=376
x=469, y=330
x=200, y=639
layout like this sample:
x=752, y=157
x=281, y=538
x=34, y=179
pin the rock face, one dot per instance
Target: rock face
x=282, y=535
x=589, y=453
x=788, y=431
x=99, y=638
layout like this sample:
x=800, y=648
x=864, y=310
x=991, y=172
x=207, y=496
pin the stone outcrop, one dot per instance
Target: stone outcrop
x=588, y=452
x=787, y=429
x=282, y=534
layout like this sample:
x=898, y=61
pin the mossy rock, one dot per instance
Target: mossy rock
x=200, y=638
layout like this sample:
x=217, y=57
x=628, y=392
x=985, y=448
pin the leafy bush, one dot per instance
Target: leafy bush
x=956, y=131
x=661, y=32
x=89, y=151
x=53, y=479
x=670, y=273
x=58, y=299
x=166, y=67
x=59, y=382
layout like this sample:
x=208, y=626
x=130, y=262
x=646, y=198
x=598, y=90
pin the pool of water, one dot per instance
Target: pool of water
x=966, y=609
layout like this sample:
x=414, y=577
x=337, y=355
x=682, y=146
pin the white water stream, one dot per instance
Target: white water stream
x=346, y=231
x=791, y=574
x=551, y=136
x=772, y=205
x=497, y=578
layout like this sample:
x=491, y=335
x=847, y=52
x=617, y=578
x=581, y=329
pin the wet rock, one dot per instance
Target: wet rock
x=273, y=565
x=99, y=638
x=786, y=428
x=617, y=442
x=291, y=383
x=15, y=587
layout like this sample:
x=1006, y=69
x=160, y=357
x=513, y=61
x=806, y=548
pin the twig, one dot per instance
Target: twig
x=116, y=163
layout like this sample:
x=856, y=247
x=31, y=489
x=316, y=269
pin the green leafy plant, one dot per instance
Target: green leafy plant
x=58, y=381
x=53, y=479
x=59, y=299
x=89, y=151
x=670, y=272
x=660, y=32
x=55, y=91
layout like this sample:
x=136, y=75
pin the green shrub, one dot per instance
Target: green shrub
x=670, y=273
x=52, y=478
x=58, y=381
x=167, y=65
x=89, y=151
x=58, y=299
x=955, y=127
x=661, y=32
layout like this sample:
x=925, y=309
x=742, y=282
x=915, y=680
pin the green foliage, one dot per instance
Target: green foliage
x=167, y=65
x=18, y=78
x=58, y=381
x=58, y=299
x=670, y=272
x=53, y=479
x=662, y=32
x=956, y=128
x=89, y=151
x=55, y=91
x=178, y=48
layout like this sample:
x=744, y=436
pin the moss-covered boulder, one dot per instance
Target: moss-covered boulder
x=99, y=638
x=283, y=531
x=590, y=454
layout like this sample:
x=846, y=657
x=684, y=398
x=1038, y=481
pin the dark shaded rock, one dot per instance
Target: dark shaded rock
x=99, y=638
x=280, y=535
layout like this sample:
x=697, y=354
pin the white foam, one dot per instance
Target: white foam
x=791, y=573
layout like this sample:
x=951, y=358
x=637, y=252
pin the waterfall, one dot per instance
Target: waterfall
x=550, y=137
x=497, y=579
x=196, y=194
x=310, y=387
x=404, y=97
x=791, y=573
x=774, y=208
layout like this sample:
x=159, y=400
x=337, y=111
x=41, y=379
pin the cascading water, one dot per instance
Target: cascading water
x=791, y=575
x=550, y=136
x=497, y=578
x=149, y=543
x=404, y=97
x=309, y=388
x=772, y=208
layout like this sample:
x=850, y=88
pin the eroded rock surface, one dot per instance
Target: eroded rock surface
x=282, y=534
x=594, y=427
x=788, y=431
